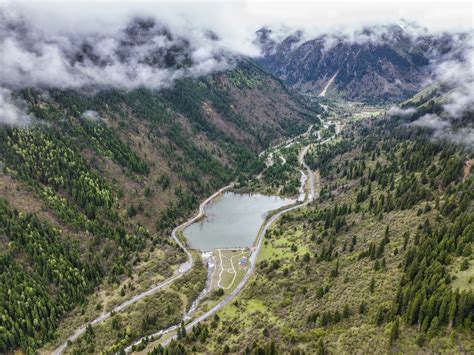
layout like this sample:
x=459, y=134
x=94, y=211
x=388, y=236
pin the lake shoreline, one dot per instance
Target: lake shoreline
x=232, y=220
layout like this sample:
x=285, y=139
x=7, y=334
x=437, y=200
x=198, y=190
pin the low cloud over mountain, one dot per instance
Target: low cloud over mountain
x=454, y=121
x=144, y=53
x=373, y=63
x=377, y=63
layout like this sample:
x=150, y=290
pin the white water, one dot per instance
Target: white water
x=302, y=192
x=253, y=255
x=207, y=259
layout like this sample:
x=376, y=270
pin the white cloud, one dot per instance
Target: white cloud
x=455, y=71
x=459, y=75
x=395, y=110
x=39, y=40
x=12, y=113
x=119, y=59
x=325, y=16
x=431, y=121
x=443, y=129
x=236, y=21
x=90, y=115
x=140, y=53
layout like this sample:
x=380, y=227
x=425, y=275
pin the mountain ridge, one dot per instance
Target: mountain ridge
x=105, y=176
x=380, y=63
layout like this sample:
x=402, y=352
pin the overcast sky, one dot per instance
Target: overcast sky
x=236, y=22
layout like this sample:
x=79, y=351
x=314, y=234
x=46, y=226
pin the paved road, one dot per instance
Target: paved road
x=186, y=266
x=183, y=269
x=252, y=259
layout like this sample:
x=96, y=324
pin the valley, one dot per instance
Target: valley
x=226, y=283
x=235, y=286
x=190, y=179
x=340, y=255
x=120, y=184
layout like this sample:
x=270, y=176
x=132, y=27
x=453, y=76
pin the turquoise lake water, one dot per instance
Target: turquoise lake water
x=232, y=220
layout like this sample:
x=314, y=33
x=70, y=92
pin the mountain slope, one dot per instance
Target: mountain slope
x=443, y=111
x=90, y=191
x=376, y=64
x=379, y=263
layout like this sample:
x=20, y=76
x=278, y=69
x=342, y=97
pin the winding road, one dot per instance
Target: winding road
x=252, y=259
x=253, y=256
x=187, y=265
x=182, y=269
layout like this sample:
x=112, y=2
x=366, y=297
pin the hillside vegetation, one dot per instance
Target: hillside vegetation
x=373, y=265
x=91, y=189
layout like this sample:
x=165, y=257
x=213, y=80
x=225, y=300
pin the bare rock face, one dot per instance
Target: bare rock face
x=376, y=64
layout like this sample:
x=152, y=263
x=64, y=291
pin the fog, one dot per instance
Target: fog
x=443, y=129
x=141, y=52
x=93, y=45
x=12, y=112
x=458, y=77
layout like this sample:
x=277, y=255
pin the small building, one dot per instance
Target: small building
x=243, y=261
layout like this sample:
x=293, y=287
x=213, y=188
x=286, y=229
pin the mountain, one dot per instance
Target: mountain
x=443, y=111
x=110, y=139
x=92, y=187
x=380, y=63
x=381, y=262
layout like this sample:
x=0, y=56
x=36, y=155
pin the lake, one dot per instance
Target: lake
x=232, y=220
